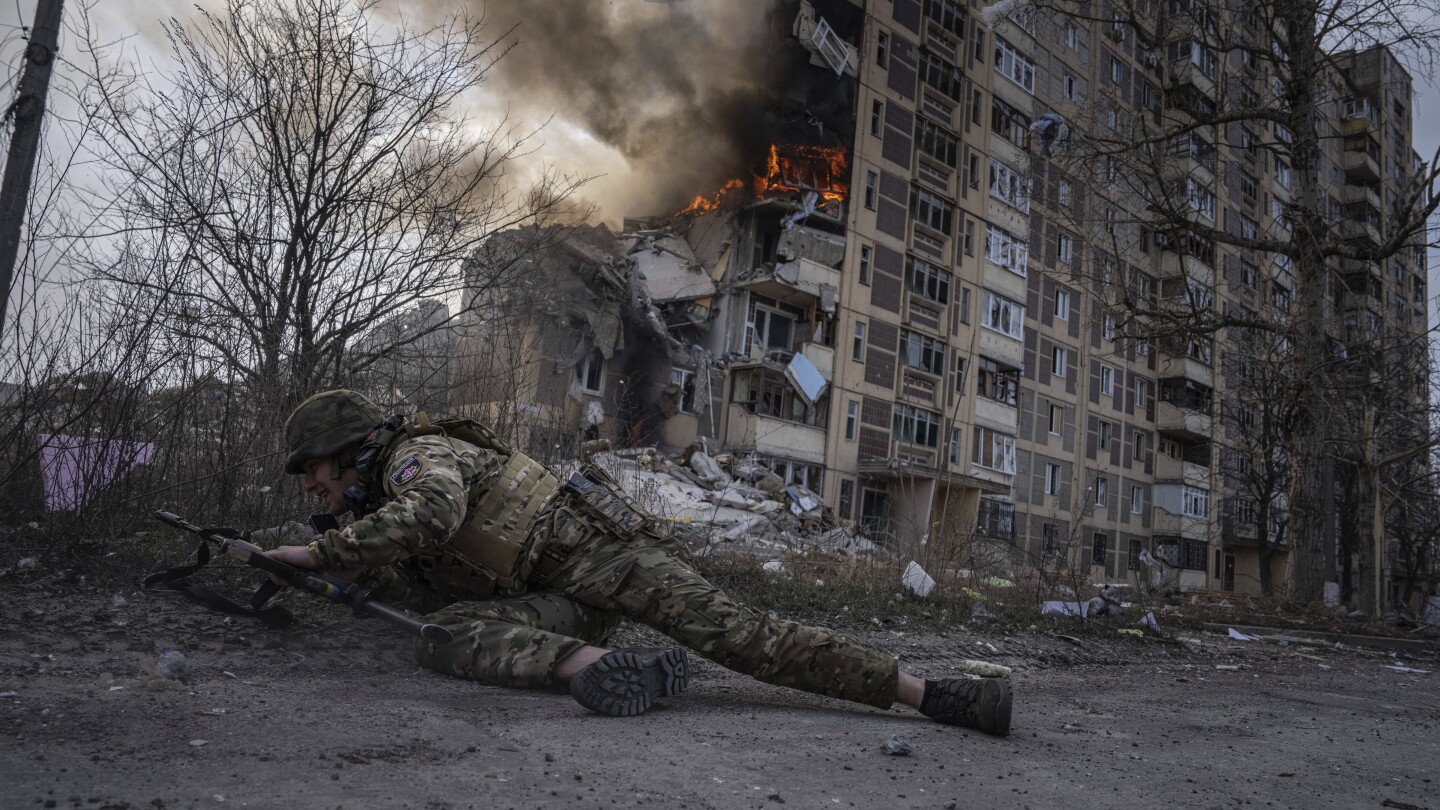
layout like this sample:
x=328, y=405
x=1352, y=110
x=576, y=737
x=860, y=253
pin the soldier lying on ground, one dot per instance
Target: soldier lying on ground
x=533, y=574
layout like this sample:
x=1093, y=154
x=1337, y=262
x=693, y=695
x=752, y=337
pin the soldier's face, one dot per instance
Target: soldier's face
x=331, y=491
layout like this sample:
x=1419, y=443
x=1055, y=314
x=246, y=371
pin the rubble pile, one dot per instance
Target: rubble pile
x=727, y=499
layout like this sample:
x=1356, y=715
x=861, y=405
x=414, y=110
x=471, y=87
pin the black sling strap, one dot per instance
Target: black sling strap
x=178, y=578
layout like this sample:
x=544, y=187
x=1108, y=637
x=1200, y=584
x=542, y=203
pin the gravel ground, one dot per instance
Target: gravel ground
x=334, y=713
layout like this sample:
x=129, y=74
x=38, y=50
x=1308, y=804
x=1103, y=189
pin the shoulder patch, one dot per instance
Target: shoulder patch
x=406, y=470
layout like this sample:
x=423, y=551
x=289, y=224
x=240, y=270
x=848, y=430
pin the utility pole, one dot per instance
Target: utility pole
x=27, y=112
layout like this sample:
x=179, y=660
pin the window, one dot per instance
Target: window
x=959, y=374
x=1057, y=419
x=1248, y=185
x=1102, y=490
x=939, y=74
x=1199, y=199
x=1117, y=71
x=882, y=49
x=1064, y=248
x=955, y=445
x=1107, y=380
x=994, y=450
x=1139, y=446
x=1002, y=315
x=1062, y=305
x=934, y=141
x=1052, y=479
x=1103, y=436
x=857, y=344
x=924, y=353
x=997, y=382
x=684, y=380
x=866, y=254
x=974, y=172
x=1195, y=502
x=915, y=426
x=1067, y=193
x=1142, y=393
x=1006, y=250
x=1249, y=228
x=1014, y=65
x=877, y=116
x=1050, y=540
x=1137, y=500
x=948, y=14
x=1008, y=122
x=1059, y=360
x=590, y=372
x=1107, y=328
x=1192, y=52
x=1067, y=85
x=1072, y=36
x=931, y=210
x=969, y=237
x=1098, y=547
x=852, y=418
x=964, y=305
x=872, y=182
x=1009, y=186
x=927, y=281
x=1136, y=546
x=770, y=328
x=847, y=498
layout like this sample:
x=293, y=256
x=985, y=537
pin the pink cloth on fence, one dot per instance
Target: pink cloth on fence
x=76, y=468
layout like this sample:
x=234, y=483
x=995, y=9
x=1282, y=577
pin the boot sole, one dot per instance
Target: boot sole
x=625, y=683
x=1000, y=714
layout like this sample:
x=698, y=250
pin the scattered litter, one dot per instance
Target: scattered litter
x=978, y=612
x=210, y=712
x=219, y=797
x=1228, y=667
x=1403, y=668
x=1130, y=631
x=919, y=582
x=227, y=673
x=1239, y=636
x=774, y=566
x=118, y=601
x=1148, y=621
x=172, y=665
x=26, y=564
x=9, y=694
x=199, y=743
x=115, y=688
x=1059, y=608
x=1077, y=642
x=897, y=747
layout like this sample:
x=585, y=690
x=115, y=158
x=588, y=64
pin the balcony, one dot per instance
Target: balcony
x=1184, y=76
x=1360, y=168
x=1185, y=265
x=802, y=283
x=1353, y=194
x=1358, y=231
x=1183, y=422
x=1178, y=469
x=1193, y=528
x=770, y=435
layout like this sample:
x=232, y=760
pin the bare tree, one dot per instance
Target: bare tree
x=1227, y=92
x=299, y=174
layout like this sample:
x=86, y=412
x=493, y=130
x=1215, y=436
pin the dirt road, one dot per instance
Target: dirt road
x=335, y=714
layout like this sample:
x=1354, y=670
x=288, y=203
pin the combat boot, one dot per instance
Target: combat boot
x=979, y=703
x=624, y=683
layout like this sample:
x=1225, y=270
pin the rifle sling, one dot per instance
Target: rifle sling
x=178, y=578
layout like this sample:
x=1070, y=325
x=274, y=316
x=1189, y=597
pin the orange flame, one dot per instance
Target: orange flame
x=821, y=169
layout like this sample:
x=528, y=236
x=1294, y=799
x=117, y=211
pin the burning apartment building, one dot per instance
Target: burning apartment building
x=885, y=306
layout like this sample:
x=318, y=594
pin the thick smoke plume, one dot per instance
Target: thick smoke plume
x=673, y=97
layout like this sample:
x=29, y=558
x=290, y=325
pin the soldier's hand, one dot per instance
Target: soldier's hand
x=297, y=556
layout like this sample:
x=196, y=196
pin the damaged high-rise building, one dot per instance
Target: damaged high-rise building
x=888, y=306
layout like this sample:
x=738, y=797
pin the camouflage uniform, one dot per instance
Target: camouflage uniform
x=515, y=630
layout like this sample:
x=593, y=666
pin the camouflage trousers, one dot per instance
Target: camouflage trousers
x=517, y=641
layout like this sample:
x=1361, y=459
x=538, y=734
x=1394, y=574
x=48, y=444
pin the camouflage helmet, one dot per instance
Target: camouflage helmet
x=327, y=423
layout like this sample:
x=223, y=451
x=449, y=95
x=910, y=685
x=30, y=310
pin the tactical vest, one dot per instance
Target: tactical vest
x=485, y=555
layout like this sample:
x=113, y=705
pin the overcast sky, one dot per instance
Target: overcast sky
x=717, y=38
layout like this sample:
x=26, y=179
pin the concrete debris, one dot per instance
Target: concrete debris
x=1239, y=636
x=897, y=747
x=985, y=669
x=774, y=566
x=708, y=471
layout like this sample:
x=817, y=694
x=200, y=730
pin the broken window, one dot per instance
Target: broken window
x=948, y=14
x=866, y=255
x=916, y=426
x=772, y=324
x=921, y=352
x=997, y=382
x=1098, y=548
x=882, y=49
x=684, y=379
x=994, y=450
x=931, y=210
x=938, y=73
x=1002, y=315
x=877, y=116
x=935, y=141
x=1013, y=188
x=872, y=181
x=996, y=518
x=767, y=392
x=847, y=498
x=1102, y=490
x=927, y=281
x=1137, y=500
x=1014, y=65
x=1052, y=478
x=1008, y=122
x=590, y=372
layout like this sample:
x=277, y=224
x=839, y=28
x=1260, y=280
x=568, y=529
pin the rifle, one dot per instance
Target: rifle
x=228, y=541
